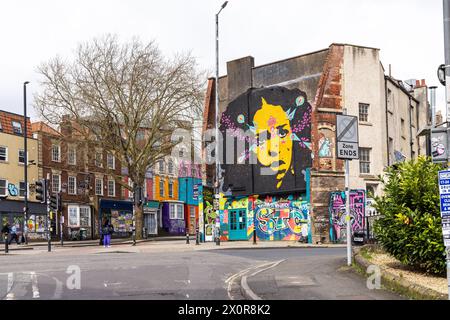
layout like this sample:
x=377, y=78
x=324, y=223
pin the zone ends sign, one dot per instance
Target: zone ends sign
x=347, y=137
x=348, y=150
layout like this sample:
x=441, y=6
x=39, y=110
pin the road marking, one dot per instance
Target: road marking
x=247, y=288
x=231, y=279
x=187, y=296
x=58, y=289
x=34, y=285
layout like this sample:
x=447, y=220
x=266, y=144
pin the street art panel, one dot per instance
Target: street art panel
x=268, y=132
x=338, y=224
x=282, y=219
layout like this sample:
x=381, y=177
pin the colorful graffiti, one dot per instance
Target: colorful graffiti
x=338, y=229
x=282, y=219
x=274, y=125
x=210, y=219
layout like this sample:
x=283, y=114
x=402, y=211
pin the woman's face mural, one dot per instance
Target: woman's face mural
x=274, y=139
x=274, y=125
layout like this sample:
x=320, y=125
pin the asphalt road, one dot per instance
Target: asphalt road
x=210, y=274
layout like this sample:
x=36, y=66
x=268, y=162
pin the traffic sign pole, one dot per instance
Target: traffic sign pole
x=347, y=217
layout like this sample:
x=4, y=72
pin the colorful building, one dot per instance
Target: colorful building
x=171, y=219
x=12, y=181
x=190, y=187
x=280, y=174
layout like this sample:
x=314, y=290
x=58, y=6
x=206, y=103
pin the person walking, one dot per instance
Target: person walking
x=14, y=235
x=107, y=231
x=6, y=230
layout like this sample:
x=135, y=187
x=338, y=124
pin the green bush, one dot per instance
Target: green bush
x=410, y=225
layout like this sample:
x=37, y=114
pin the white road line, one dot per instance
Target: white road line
x=247, y=288
x=58, y=289
x=10, y=281
x=34, y=285
x=231, y=279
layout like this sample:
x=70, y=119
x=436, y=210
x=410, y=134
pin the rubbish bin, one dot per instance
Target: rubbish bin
x=83, y=234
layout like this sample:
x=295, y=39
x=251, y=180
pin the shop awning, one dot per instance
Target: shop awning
x=152, y=204
x=118, y=205
x=12, y=206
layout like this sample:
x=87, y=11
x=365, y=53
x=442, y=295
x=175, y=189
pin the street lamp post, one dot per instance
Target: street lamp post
x=25, y=167
x=217, y=111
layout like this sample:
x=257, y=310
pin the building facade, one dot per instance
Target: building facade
x=87, y=179
x=280, y=174
x=12, y=177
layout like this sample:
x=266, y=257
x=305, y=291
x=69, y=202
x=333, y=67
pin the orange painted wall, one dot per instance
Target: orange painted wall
x=157, y=196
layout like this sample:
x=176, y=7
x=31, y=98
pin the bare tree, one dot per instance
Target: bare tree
x=126, y=98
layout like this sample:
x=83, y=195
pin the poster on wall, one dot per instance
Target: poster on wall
x=267, y=137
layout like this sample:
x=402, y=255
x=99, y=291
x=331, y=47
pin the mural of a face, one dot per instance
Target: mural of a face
x=274, y=142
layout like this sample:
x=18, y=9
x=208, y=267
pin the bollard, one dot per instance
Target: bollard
x=6, y=244
x=197, y=242
x=218, y=237
x=187, y=237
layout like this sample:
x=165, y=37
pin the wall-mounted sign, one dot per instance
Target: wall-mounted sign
x=444, y=192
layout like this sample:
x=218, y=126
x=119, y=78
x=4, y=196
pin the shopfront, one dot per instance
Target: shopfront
x=119, y=214
x=79, y=221
x=151, y=209
x=11, y=212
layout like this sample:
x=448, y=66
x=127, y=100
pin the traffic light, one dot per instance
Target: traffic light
x=59, y=201
x=54, y=202
x=41, y=190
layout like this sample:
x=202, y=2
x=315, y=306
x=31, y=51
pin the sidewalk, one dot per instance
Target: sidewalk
x=167, y=244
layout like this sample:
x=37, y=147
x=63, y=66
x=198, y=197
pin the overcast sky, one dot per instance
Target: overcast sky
x=408, y=32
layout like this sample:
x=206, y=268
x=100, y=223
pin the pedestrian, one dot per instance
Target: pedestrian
x=107, y=230
x=14, y=235
x=6, y=230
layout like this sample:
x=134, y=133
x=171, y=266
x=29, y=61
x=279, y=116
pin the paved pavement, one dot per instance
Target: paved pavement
x=173, y=270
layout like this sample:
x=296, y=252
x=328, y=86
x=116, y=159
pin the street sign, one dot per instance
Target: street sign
x=347, y=137
x=444, y=192
x=195, y=191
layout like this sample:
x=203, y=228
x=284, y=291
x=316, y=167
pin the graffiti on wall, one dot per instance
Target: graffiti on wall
x=210, y=218
x=282, y=219
x=338, y=229
x=274, y=125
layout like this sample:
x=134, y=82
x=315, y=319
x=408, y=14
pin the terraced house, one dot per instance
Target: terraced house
x=12, y=178
x=86, y=177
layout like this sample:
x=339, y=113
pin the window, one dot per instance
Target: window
x=3, y=154
x=170, y=167
x=364, y=160
x=363, y=112
x=130, y=192
x=370, y=190
x=170, y=189
x=402, y=127
x=85, y=216
x=99, y=159
x=72, y=158
x=111, y=188
x=21, y=156
x=181, y=153
x=99, y=187
x=72, y=185
x=161, y=166
x=17, y=127
x=111, y=161
x=176, y=211
x=22, y=189
x=391, y=151
x=56, y=183
x=161, y=188
x=1, y=129
x=56, y=153
x=74, y=218
x=140, y=135
x=3, y=187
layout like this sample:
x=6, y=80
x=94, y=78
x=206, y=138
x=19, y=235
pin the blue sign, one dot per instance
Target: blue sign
x=444, y=192
x=195, y=196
